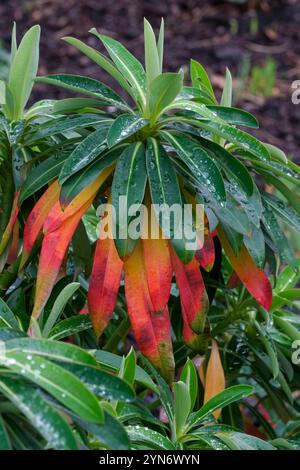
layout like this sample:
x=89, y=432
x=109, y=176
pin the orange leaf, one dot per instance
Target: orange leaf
x=58, y=215
x=104, y=283
x=193, y=296
x=152, y=330
x=254, y=279
x=36, y=219
x=214, y=378
x=206, y=254
x=14, y=247
x=158, y=270
x=54, y=247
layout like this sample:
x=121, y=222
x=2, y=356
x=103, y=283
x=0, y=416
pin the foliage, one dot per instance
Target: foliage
x=214, y=327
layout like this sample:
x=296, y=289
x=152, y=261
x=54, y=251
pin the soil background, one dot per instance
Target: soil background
x=233, y=33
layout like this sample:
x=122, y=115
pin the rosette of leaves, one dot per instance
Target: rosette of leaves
x=169, y=143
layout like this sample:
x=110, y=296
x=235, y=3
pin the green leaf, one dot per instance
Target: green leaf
x=85, y=152
x=99, y=59
x=160, y=44
x=87, y=86
x=165, y=193
x=182, y=406
x=127, y=371
x=23, y=71
x=53, y=350
x=7, y=316
x=70, y=326
x=71, y=105
x=199, y=75
x=151, y=54
x=45, y=419
x=123, y=127
x=190, y=377
x=252, y=205
x=162, y=92
x=276, y=154
x=228, y=396
x=239, y=441
x=84, y=177
x=129, y=182
x=63, y=125
x=61, y=384
x=59, y=305
x=275, y=232
x=269, y=347
x=203, y=168
x=235, y=116
x=102, y=384
x=128, y=65
x=110, y=433
x=255, y=244
x=217, y=126
x=231, y=165
x=285, y=212
x=149, y=437
x=288, y=278
x=5, y=443
x=226, y=99
x=40, y=175
x=114, y=362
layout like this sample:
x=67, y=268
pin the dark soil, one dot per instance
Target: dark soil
x=217, y=33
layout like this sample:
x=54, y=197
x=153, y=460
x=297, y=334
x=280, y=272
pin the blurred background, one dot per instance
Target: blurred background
x=259, y=40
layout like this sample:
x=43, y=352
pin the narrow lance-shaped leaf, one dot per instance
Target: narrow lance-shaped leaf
x=53, y=251
x=99, y=59
x=193, y=296
x=202, y=166
x=58, y=215
x=254, y=279
x=128, y=189
x=151, y=54
x=36, y=219
x=105, y=279
x=40, y=175
x=84, y=153
x=23, y=70
x=218, y=126
x=231, y=165
x=83, y=178
x=86, y=85
x=165, y=195
x=226, y=99
x=215, y=377
x=152, y=330
x=123, y=127
x=158, y=267
x=128, y=65
x=61, y=125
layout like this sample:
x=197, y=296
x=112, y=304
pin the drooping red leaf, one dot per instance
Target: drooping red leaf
x=254, y=279
x=36, y=219
x=104, y=282
x=152, y=330
x=54, y=247
x=193, y=296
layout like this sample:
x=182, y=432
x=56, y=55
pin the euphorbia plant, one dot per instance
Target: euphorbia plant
x=174, y=144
